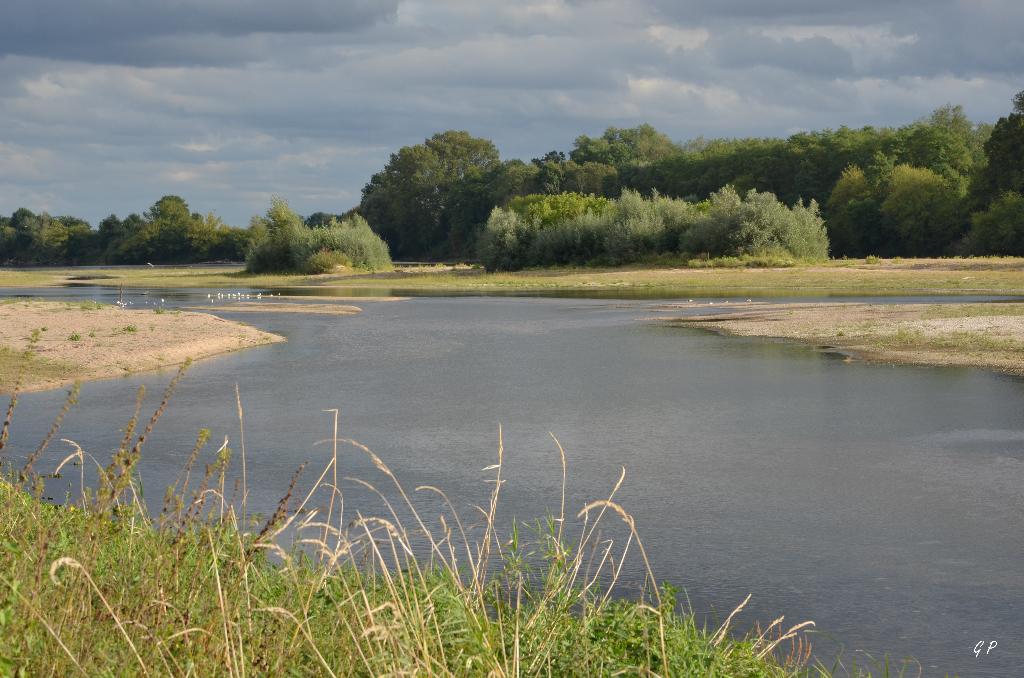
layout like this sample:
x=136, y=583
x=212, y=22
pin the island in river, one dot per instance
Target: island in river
x=989, y=335
x=44, y=344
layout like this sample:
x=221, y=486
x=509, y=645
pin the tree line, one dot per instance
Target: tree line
x=166, y=233
x=170, y=233
x=942, y=185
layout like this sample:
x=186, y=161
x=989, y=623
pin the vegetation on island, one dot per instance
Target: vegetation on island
x=282, y=242
x=571, y=228
x=940, y=186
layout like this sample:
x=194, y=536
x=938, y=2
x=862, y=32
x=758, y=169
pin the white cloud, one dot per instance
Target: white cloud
x=227, y=111
x=672, y=38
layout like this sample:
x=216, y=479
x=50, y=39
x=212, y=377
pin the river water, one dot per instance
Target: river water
x=885, y=503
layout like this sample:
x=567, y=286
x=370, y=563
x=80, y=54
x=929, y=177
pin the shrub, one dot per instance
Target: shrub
x=505, y=241
x=557, y=208
x=757, y=224
x=355, y=240
x=326, y=261
x=286, y=244
x=633, y=228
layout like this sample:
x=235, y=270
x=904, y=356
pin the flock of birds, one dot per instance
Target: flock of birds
x=219, y=296
x=239, y=296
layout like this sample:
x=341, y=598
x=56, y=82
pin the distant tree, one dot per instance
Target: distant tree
x=167, y=230
x=51, y=241
x=591, y=177
x=6, y=241
x=855, y=221
x=26, y=226
x=941, y=143
x=409, y=200
x=1005, y=152
x=557, y=157
x=1000, y=228
x=924, y=211
x=319, y=219
x=1018, y=102
x=640, y=145
x=82, y=242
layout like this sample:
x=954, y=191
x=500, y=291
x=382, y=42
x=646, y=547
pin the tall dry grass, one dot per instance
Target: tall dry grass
x=101, y=585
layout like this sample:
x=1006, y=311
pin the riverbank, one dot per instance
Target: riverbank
x=53, y=343
x=280, y=307
x=983, y=275
x=987, y=335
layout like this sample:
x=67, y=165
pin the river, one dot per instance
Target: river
x=885, y=503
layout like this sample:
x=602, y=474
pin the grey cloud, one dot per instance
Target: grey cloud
x=817, y=56
x=113, y=104
x=121, y=31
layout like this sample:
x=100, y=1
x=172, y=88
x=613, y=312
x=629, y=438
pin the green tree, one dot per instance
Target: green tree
x=1005, y=153
x=408, y=201
x=1000, y=228
x=591, y=177
x=924, y=211
x=640, y=145
x=855, y=221
x=942, y=143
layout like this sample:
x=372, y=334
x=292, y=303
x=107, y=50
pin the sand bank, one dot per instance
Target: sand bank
x=81, y=341
x=987, y=335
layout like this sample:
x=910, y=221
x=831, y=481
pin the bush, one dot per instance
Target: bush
x=286, y=244
x=757, y=224
x=326, y=261
x=554, y=209
x=632, y=228
x=505, y=241
x=353, y=238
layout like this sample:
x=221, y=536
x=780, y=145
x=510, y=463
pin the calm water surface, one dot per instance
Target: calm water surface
x=885, y=503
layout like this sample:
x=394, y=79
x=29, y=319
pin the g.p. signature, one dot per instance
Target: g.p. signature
x=984, y=645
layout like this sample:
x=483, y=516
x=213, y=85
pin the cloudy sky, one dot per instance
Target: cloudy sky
x=105, y=105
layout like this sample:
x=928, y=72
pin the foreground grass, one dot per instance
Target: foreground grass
x=102, y=587
x=989, y=275
x=122, y=597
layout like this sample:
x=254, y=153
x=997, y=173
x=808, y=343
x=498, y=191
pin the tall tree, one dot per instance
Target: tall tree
x=924, y=210
x=409, y=202
x=640, y=145
x=1005, y=153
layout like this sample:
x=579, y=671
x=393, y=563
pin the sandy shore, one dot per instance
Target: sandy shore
x=971, y=335
x=280, y=307
x=81, y=341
